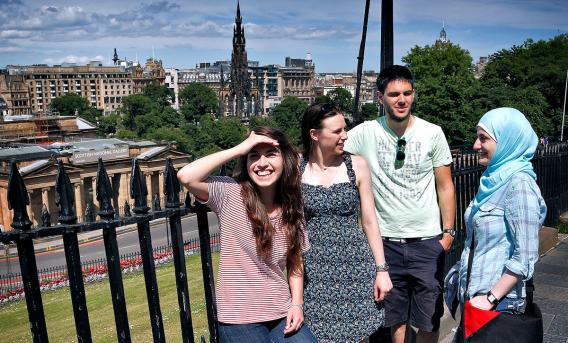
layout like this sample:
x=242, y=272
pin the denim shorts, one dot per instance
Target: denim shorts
x=264, y=332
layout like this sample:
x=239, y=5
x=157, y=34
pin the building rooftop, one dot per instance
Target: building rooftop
x=25, y=153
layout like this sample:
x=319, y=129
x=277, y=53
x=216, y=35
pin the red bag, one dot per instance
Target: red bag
x=494, y=327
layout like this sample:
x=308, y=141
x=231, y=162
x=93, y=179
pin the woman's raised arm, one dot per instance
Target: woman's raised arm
x=194, y=175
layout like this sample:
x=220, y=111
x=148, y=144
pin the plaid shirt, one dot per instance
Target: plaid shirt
x=506, y=232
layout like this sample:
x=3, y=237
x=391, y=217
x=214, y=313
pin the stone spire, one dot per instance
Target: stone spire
x=240, y=80
x=443, y=38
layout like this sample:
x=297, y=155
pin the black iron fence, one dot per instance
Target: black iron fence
x=551, y=165
x=54, y=277
x=68, y=228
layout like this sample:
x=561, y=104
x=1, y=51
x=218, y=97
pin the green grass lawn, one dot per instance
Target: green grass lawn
x=14, y=324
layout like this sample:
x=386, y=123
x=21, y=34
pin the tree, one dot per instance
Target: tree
x=445, y=88
x=107, y=125
x=125, y=134
x=230, y=132
x=261, y=121
x=182, y=141
x=159, y=94
x=133, y=106
x=322, y=99
x=288, y=117
x=71, y=104
x=342, y=98
x=369, y=111
x=197, y=99
x=536, y=66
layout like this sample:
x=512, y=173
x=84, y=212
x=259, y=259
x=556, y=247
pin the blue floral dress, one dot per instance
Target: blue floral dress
x=339, y=267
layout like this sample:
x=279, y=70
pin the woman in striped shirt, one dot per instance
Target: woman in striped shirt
x=262, y=232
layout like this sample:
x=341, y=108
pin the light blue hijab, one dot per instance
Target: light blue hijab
x=516, y=145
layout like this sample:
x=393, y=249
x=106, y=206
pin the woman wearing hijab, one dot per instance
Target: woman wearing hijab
x=504, y=217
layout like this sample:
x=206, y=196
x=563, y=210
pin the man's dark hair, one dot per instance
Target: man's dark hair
x=393, y=73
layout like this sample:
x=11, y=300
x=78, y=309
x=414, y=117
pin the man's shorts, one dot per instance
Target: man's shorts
x=416, y=271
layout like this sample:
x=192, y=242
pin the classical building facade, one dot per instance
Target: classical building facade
x=38, y=167
x=30, y=89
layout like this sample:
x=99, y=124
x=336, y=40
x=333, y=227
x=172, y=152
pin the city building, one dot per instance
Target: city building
x=29, y=89
x=298, y=78
x=327, y=82
x=479, y=67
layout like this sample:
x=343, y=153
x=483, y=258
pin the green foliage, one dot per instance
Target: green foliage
x=71, y=104
x=197, y=99
x=107, y=125
x=182, y=141
x=322, y=99
x=126, y=134
x=133, y=106
x=261, y=121
x=445, y=88
x=343, y=99
x=534, y=75
x=230, y=132
x=369, y=111
x=288, y=117
x=161, y=95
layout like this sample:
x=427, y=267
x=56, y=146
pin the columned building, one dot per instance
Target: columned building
x=38, y=167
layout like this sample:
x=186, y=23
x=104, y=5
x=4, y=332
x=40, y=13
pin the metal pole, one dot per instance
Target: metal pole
x=564, y=109
x=360, y=58
x=387, y=54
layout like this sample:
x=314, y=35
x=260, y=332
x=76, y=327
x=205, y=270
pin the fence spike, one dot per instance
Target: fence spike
x=156, y=203
x=127, y=209
x=64, y=196
x=45, y=216
x=90, y=212
x=104, y=192
x=188, y=200
x=138, y=190
x=171, y=186
x=18, y=198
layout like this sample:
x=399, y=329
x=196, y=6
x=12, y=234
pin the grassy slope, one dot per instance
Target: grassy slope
x=14, y=324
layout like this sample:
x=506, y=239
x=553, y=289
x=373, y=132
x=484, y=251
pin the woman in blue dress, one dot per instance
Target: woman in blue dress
x=345, y=270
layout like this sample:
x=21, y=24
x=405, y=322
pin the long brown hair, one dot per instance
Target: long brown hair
x=288, y=196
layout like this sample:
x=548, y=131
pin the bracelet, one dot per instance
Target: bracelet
x=300, y=306
x=382, y=267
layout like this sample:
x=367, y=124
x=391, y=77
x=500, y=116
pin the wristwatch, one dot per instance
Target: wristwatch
x=451, y=232
x=382, y=267
x=492, y=298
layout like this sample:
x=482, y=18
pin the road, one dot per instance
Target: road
x=127, y=243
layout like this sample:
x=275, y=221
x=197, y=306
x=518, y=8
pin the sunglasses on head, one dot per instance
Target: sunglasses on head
x=400, y=145
x=326, y=108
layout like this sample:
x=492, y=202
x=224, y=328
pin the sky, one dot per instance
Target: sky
x=183, y=33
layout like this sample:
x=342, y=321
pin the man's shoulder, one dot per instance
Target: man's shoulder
x=368, y=125
x=427, y=126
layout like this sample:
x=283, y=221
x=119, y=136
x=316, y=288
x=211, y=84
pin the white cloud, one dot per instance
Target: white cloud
x=15, y=34
x=81, y=60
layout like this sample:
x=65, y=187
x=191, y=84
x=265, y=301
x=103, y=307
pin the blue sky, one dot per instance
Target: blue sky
x=183, y=33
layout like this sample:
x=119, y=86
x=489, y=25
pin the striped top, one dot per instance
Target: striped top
x=249, y=289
